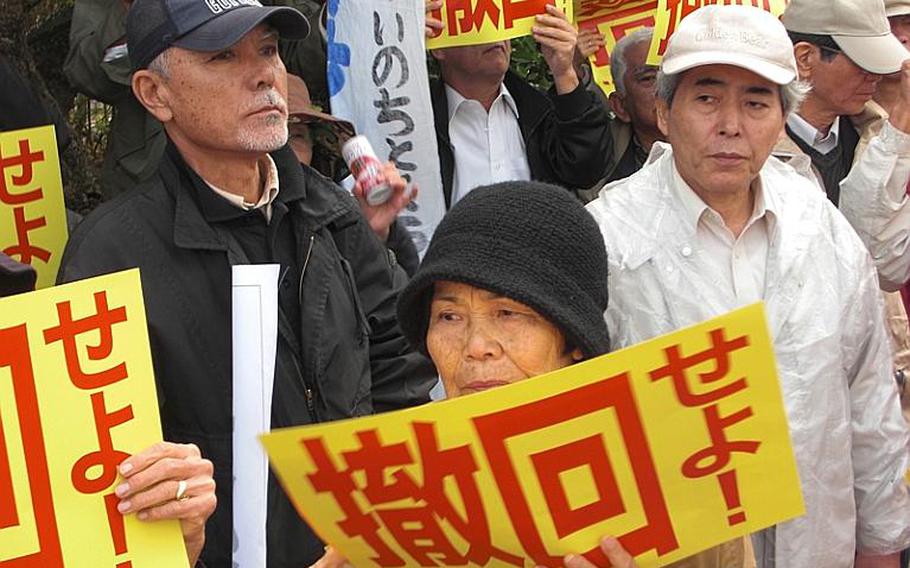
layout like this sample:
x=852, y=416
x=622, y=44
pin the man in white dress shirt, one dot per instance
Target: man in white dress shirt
x=711, y=224
x=493, y=126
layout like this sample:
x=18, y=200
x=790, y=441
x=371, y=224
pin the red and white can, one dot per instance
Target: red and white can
x=367, y=169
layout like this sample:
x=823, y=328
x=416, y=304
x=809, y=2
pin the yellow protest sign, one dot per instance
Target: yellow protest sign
x=471, y=22
x=77, y=396
x=671, y=12
x=613, y=19
x=673, y=446
x=32, y=214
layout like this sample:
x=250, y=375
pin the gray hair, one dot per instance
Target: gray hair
x=618, y=63
x=161, y=65
x=791, y=95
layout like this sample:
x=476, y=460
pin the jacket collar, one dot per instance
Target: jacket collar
x=301, y=187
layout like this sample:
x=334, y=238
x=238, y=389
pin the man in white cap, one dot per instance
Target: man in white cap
x=711, y=224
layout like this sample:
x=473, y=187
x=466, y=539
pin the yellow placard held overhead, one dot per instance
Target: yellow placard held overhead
x=472, y=22
x=32, y=214
x=673, y=446
x=77, y=396
x=614, y=19
x=671, y=12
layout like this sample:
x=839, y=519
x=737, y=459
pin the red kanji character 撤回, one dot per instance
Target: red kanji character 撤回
x=472, y=13
x=716, y=456
x=340, y=484
x=25, y=160
x=24, y=251
x=612, y=394
x=457, y=463
x=101, y=321
x=719, y=352
x=412, y=513
x=105, y=458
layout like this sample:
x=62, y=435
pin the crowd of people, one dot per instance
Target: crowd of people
x=765, y=159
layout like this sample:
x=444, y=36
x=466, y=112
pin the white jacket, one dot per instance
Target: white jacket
x=873, y=196
x=833, y=356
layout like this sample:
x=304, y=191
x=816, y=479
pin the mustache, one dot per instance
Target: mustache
x=268, y=98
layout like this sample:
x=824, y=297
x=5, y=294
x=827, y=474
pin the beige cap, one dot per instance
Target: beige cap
x=859, y=27
x=742, y=36
x=897, y=7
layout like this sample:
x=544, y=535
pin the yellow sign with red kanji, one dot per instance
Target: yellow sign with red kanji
x=77, y=396
x=671, y=12
x=472, y=22
x=673, y=446
x=613, y=19
x=32, y=214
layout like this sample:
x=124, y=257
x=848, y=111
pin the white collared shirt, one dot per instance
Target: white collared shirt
x=822, y=143
x=737, y=263
x=488, y=147
x=267, y=169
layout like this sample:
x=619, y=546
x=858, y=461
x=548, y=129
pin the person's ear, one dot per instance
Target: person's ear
x=151, y=91
x=619, y=108
x=807, y=57
x=577, y=355
x=663, y=117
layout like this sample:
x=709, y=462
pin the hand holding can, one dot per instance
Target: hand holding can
x=366, y=169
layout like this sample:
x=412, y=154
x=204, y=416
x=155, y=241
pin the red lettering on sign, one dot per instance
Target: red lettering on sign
x=15, y=355
x=716, y=457
x=25, y=160
x=101, y=321
x=23, y=250
x=416, y=523
x=612, y=393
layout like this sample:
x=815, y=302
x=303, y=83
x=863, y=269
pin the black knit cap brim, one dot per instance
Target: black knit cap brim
x=521, y=271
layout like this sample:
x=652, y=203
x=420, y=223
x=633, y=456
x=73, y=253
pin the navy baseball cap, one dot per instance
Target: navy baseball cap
x=152, y=26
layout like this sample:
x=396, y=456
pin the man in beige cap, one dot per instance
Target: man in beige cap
x=861, y=155
x=711, y=224
x=898, y=12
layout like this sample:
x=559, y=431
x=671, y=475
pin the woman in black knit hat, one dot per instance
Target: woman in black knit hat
x=513, y=285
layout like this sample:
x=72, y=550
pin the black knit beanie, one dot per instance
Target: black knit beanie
x=531, y=242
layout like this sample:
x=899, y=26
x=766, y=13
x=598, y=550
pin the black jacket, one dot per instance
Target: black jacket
x=567, y=137
x=351, y=358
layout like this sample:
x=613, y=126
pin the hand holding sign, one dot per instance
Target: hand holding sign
x=433, y=26
x=170, y=481
x=616, y=554
x=557, y=39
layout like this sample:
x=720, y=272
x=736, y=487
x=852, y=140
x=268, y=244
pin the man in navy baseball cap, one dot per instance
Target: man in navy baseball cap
x=202, y=25
x=229, y=190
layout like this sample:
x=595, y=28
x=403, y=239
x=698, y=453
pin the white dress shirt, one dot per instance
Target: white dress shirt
x=488, y=146
x=822, y=143
x=736, y=263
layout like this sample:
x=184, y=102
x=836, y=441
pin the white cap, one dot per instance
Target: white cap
x=897, y=7
x=859, y=27
x=742, y=36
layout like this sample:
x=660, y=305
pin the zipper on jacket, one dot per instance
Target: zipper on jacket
x=310, y=404
x=306, y=261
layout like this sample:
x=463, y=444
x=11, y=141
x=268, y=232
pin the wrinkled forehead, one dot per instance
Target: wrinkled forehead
x=724, y=76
